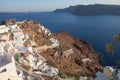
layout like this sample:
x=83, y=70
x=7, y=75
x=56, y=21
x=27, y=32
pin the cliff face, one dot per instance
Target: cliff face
x=83, y=58
x=96, y=9
x=70, y=9
x=73, y=57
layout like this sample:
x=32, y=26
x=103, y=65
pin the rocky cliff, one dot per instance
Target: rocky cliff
x=96, y=9
x=73, y=57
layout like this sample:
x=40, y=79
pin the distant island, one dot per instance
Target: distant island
x=96, y=9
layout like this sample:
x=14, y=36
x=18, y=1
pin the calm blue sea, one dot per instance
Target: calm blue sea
x=95, y=29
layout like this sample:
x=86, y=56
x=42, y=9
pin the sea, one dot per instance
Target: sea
x=95, y=29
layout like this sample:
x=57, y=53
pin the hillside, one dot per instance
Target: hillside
x=43, y=53
x=96, y=9
x=71, y=55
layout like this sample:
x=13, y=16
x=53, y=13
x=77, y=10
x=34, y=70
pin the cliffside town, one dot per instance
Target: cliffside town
x=29, y=51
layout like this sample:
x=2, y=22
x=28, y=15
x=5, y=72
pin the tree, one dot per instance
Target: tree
x=110, y=47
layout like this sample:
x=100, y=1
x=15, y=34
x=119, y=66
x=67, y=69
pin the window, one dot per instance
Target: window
x=4, y=70
x=8, y=78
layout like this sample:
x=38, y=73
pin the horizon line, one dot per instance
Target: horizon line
x=57, y=8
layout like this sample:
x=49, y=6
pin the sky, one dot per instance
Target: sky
x=46, y=5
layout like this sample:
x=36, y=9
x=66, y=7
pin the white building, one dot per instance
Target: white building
x=7, y=68
x=3, y=29
x=107, y=74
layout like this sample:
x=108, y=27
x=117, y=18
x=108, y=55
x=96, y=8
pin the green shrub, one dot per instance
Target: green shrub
x=16, y=57
x=51, y=64
x=76, y=76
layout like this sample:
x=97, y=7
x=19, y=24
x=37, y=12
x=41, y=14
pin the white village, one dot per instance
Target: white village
x=14, y=56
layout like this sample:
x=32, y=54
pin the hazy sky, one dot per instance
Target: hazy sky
x=46, y=5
